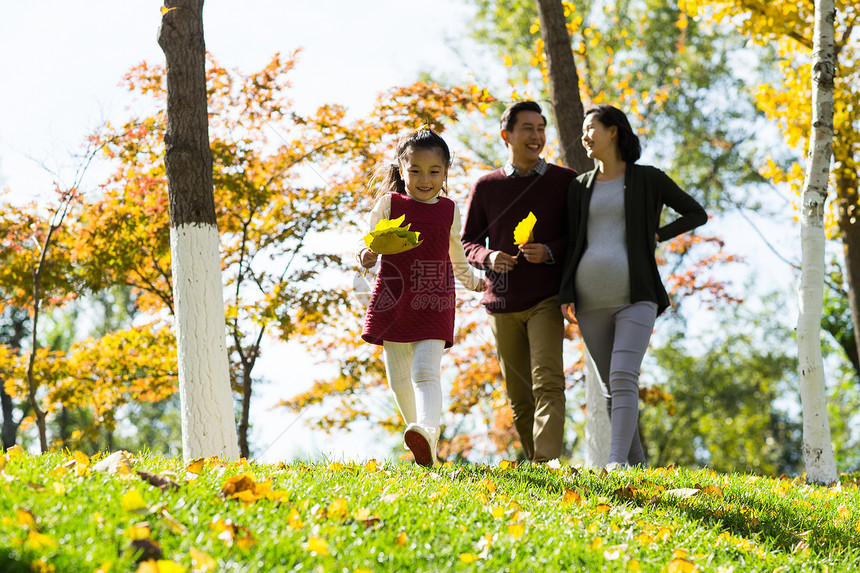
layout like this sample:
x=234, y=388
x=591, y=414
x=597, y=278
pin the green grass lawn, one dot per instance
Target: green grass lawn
x=58, y=514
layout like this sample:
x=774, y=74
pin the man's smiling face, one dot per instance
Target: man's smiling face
x=526, y=139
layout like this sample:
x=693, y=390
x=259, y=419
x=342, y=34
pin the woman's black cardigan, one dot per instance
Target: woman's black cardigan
x=646, y=191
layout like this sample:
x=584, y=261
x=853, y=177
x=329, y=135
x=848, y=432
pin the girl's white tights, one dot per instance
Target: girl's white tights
x=413, y=370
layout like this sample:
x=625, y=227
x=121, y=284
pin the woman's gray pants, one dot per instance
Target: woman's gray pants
x=617, y=339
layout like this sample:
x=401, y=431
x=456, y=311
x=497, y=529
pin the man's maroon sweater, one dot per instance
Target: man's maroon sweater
x=496, y=204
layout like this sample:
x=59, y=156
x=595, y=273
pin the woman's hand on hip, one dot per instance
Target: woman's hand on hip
x=569, y=312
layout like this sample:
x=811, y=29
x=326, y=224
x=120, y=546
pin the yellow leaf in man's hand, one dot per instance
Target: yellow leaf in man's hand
x=524, y=231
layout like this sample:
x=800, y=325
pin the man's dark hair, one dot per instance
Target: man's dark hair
x=509, y=117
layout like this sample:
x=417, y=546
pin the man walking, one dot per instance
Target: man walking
x=524, y=280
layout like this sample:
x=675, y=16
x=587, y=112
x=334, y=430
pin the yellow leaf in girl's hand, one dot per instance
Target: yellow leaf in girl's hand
x=389, y=238
x=523, y=232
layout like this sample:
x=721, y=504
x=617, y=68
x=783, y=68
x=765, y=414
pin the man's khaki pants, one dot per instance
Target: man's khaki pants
x=529, y=344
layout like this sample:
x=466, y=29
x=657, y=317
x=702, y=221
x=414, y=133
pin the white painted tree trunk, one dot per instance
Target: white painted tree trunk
x=208, y=423
x=817, y=448
x=598, y=432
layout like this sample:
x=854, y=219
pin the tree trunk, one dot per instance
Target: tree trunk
x=563, y=84
x=849, y=228
x=16, y=334
x=208, y=424
x=245, y=418
x=817, y=448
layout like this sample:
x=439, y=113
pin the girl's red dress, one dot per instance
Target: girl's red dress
x=413, y=297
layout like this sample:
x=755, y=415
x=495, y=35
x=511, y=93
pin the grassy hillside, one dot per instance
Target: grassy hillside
x=60, y=513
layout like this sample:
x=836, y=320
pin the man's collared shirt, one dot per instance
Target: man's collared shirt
x=538, y=169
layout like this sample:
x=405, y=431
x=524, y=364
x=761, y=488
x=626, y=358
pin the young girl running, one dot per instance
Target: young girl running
x=411, y=309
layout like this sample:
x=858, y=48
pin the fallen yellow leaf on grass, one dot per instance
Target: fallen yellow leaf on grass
x=201, y=562
x=15, y=451
x=238, y=484
x=317, y=545
x=294, y=520
x=338, y=509
x=37, y=541
x=516, y=530
x=140, y=531
x=468, y=557
x=524, y=231
x=160, y=566
x=401, y=539
x=571, y=496
x=389, y=238
x=41, y=565
x=196, y=467
x=133, y=501
x=680, y=566
x=26, y=518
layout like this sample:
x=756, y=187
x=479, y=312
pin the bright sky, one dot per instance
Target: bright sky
x=62, y=63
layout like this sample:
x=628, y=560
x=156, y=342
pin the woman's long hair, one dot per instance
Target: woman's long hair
x=628, y=141
x=390, y=180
